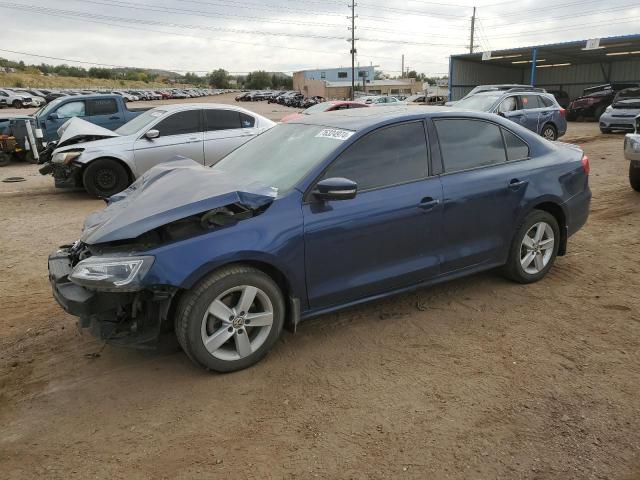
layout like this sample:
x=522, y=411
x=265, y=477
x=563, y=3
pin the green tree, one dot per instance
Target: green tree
x=219, y=78
x=258, y=80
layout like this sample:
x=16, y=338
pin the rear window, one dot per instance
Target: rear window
x=221, y=119
x=530, y=102
x=103, y=106
x=467, y=144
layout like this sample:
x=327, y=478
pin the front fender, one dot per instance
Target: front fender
x=91, y=155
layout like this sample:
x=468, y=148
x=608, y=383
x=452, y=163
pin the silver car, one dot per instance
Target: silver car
x=632, y=153
x=105, y=162
x=621, y=114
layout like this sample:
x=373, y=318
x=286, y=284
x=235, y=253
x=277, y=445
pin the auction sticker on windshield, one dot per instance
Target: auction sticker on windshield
x=335, y=133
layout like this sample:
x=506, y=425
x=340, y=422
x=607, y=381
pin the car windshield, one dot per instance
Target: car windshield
x=481, y=103
x=320, y=107
x=283, y=155
x=139, y=122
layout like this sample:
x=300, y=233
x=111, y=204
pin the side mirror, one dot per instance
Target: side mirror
x=151, y=134
x=53, y=116
x=335, y=189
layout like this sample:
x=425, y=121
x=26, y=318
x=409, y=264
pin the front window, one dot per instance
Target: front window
x=72, y=109
x=478, y=103
x=140, y=122
x=281, y=156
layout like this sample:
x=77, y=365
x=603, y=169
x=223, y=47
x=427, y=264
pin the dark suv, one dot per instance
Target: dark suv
x=595, y=100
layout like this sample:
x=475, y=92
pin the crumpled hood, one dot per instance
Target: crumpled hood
x=76, y=129
x=168, y=192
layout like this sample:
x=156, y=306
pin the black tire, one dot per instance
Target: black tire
x=597, y=113
x=634, y=175
x=105, y=177
x=193, y=306
x=605, y=130
x=5, y=159
x=513, y=268
x=549, y=132
x=29, y=158
x=16, y=104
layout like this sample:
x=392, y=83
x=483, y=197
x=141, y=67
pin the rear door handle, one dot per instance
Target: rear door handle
x=516, y=184
x=115, y=117
x=193, y=140
x=428, y=203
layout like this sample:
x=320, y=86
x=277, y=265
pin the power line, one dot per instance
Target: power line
x=89, y=15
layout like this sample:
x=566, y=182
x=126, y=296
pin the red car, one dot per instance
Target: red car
x=325, y=107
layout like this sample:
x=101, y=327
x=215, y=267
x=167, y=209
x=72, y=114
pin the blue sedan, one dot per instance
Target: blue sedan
x=314, y=216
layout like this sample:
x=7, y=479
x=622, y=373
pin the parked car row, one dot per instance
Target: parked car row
x=30, y=97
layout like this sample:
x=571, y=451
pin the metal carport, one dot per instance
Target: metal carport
x=570, y=66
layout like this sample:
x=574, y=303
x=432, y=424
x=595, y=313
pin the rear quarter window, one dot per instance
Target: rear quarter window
x=517, y=149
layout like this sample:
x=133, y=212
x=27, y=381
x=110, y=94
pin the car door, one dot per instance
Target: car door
x=75, y=108
x=531, y=108
x=482, y=190
x=388, y=235
x=104, y=112
x=226, y=130
x=180, y=135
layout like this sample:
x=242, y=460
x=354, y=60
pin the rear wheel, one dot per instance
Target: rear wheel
x=231, y=319
x=634, y=175
x=16, y=104
x=105, y=177
x=534, y=248
x=549, y=132
x=597, y=113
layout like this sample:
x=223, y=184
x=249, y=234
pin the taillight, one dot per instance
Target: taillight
x=563, y=112
x=585, y=164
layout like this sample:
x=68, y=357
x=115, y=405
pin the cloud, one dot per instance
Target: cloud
x=201, y=35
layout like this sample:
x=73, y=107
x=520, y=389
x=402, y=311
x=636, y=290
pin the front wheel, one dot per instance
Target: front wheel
x=605, y=130
x=231, y=319
x=105, y=177
x=5, y=159
x=634, y=175
x=549, y=133
x=534, y=248
x=17, y=104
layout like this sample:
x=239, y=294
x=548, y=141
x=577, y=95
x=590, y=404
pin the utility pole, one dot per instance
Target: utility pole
x=353, y=48
x=473, y=28
x=402, y=72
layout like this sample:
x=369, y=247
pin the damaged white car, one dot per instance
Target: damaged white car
x=105, y=162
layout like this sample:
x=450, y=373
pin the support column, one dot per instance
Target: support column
x=534, y=62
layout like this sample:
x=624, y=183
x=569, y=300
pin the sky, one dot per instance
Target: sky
x=287, y=35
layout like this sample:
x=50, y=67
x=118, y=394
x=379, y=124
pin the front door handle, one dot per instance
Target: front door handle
x=428, y=203
x=115, y=117
x=516, y=184
x=193, y=140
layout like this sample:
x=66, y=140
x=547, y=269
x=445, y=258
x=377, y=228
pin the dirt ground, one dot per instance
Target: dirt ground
x=477, y=378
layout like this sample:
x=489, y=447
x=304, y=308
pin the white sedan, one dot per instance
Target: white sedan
x=105, y=162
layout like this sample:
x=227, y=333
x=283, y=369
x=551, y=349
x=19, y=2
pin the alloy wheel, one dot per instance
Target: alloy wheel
x=237, y=323
x=549, y=134
x=536, y=249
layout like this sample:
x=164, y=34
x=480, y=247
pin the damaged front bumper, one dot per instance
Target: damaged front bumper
x=123, y=318
x=65, y=176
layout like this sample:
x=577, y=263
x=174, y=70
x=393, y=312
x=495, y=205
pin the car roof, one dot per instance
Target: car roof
x=363, y=118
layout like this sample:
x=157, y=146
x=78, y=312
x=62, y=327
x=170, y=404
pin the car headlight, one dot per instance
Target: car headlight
x=65, y=157
x=111, y=273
